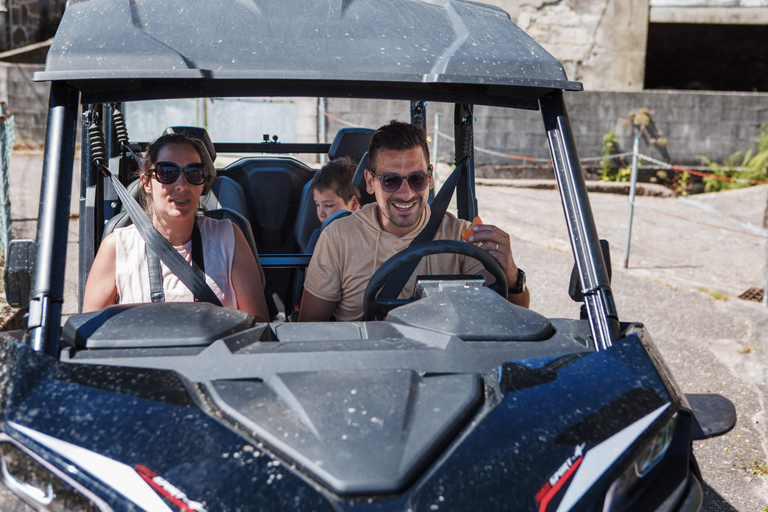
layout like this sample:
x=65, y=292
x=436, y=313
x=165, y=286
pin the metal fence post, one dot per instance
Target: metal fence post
x=321, y=126
x=7, y=135
x=632, y=187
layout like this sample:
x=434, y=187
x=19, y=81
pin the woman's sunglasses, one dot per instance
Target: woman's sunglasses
x=391, y=182
x=168, y=172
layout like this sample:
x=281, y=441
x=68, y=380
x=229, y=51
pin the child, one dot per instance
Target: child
x=335, y=197
x=334, y=194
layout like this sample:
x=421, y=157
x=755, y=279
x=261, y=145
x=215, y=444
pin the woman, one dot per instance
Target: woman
x=176, y=172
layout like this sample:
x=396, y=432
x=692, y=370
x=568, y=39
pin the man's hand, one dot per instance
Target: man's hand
x=496, y=242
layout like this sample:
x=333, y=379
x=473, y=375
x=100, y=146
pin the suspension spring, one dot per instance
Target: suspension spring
x=120, y=127
x=96, y=142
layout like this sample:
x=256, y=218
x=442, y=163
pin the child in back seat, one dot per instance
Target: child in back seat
x=334, y=194
x=335, y=197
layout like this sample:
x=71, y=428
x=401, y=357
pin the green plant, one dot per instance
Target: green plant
x=756, y=467
x=681, y=188
x=753, y=167
x=608, y=170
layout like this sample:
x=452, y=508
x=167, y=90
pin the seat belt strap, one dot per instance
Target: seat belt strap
x=439, y=206
x=156, y=291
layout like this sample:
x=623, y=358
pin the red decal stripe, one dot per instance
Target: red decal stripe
x=144, y=473
x=558, y=485
x=543, y=491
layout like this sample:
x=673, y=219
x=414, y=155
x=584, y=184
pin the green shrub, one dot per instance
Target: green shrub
x=753, y=167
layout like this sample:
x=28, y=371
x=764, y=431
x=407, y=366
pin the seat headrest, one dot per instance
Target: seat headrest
x=196, y=133
x=351, y=142
x=358, y=180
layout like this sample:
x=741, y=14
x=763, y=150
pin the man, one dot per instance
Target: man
x=350, y=250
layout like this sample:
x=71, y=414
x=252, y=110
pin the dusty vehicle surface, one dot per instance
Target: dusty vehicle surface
x=455, y=400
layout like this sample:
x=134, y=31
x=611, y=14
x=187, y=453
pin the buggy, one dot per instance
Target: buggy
x=454, y=400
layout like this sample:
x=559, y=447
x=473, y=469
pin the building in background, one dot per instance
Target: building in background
x=632, y=45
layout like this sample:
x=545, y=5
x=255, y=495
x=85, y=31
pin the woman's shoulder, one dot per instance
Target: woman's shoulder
x=130, y=228
x=214, y=225
x=126, y=237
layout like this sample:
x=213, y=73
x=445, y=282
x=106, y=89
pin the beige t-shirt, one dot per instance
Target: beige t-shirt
x=132, y=274
x=350, y=250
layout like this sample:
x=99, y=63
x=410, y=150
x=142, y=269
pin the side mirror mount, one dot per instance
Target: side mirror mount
x=19, y=269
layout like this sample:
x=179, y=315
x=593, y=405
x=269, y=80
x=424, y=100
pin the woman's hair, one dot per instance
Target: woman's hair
x=150, y=159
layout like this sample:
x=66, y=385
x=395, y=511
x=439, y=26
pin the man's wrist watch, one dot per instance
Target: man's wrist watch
x=519, y=286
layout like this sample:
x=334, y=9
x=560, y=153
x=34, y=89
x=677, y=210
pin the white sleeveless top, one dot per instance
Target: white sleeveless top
x=132, y=274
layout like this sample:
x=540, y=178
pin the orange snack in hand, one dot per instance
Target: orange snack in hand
x=466, y=233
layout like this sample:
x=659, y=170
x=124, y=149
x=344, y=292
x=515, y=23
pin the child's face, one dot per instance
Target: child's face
x=329, y=203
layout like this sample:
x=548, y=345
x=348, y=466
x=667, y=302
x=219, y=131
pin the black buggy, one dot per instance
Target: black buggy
x=454, y=400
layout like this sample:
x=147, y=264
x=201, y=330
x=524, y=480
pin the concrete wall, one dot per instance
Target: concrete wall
x=695, y=123
x=27, y=99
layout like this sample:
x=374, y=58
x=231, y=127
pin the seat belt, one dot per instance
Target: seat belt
x=156, y=291
x=439, y=206
x=162, y=248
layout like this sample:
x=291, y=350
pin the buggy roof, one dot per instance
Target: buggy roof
x=428, y=49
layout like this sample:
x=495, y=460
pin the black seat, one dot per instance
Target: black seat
x=198, y=133
x=358, y=180
x=352, y=142
x=306, y=218
x=273, y=189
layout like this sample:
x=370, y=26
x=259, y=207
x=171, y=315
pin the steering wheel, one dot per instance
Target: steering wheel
x=377, y=308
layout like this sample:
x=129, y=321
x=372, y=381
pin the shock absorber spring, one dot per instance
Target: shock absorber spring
x=120, y=128
x=96, y=142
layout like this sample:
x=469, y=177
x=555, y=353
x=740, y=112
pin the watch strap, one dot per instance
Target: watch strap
x=519, y=286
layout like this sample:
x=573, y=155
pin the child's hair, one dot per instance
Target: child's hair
x=337, y=175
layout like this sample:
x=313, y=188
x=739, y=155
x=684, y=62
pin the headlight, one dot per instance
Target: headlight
x=620, y=492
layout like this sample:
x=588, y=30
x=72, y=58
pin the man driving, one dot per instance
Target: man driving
x=351, y=249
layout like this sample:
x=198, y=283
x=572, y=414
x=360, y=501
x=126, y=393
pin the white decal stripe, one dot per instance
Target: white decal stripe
x=599, y=458
x=121, y=477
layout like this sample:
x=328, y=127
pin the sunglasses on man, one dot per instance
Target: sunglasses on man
x=168, y=172
x=390, y=182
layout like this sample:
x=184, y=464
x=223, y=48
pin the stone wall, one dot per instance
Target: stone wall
x=32, y=21
x=600, y=43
